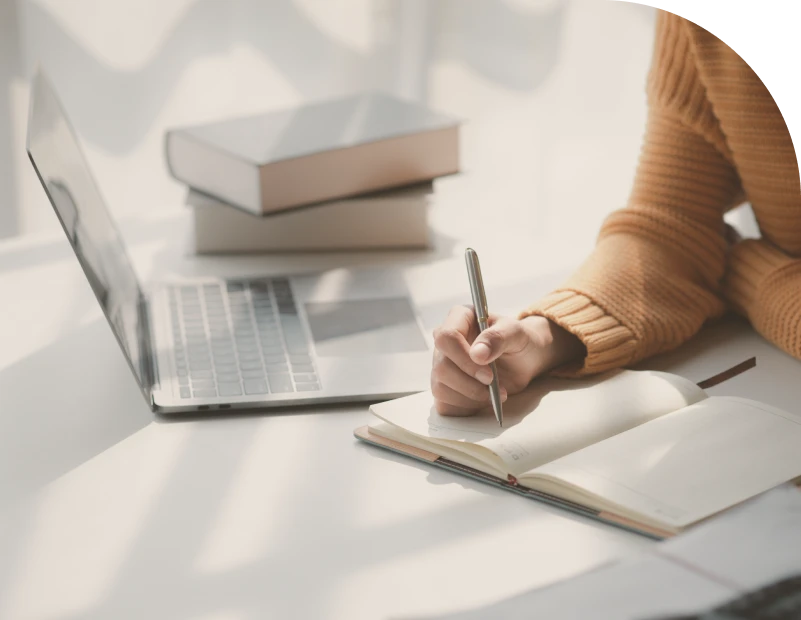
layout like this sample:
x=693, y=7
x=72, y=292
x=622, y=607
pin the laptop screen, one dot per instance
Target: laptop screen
x=62, y=168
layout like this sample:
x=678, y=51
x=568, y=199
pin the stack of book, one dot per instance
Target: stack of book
x=352, y=173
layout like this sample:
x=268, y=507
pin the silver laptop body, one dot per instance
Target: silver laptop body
x=214, y=344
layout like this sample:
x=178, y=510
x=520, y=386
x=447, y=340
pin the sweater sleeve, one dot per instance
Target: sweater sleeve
x=654, y=276
x=764, y=284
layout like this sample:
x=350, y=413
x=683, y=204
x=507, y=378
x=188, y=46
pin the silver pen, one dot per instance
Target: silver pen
x=482, y=315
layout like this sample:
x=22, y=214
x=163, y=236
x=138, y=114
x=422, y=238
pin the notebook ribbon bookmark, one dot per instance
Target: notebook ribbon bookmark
x=728, y=374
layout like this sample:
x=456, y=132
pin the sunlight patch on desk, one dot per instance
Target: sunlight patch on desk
x=247, y=524
x=514, y=556
x=82, y=534
x=385, y=488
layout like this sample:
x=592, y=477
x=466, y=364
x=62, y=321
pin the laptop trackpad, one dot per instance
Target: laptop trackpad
x=363, y=327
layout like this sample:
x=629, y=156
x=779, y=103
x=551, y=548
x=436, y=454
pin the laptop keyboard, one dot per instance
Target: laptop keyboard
x=239, y=338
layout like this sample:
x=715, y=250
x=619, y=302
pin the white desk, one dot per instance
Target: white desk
x=260, y=516
x=106, y=512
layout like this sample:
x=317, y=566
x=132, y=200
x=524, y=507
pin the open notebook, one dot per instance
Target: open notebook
x=646, y=450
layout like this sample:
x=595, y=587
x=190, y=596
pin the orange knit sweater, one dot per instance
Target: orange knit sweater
x=662, y=266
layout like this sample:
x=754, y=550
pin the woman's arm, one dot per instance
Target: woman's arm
x=764, y=284
x=654, y=277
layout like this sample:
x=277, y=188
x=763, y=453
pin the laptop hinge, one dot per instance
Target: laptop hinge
x=149, y=362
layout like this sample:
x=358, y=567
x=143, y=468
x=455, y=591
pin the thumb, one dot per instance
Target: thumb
x=504, y=336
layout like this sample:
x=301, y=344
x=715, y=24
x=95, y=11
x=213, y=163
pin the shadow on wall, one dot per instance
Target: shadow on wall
x=499, y=40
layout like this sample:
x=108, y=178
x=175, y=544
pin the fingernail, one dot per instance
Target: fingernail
x=484, y=375
x=481, y=351
x=504, y=395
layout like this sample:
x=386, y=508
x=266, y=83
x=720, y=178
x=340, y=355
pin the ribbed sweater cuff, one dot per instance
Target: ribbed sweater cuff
x=750, y=263
x=609, y=343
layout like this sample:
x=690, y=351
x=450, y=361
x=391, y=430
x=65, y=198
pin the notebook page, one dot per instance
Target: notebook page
x=552, y=417
x=689, y=464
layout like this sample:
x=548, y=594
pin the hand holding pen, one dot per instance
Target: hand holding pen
x=520, y=349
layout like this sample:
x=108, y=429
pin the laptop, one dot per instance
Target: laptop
x=227, y=344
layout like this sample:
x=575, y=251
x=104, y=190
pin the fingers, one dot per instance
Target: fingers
x=449, y=402
x=452, y=340
x=504, y=336
x=447, y=373
x=454, y=392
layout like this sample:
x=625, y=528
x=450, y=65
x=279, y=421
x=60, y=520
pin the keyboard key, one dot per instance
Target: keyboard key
x=245, y=365
x=302, y=368
x=225, y=359
x=296, y=347
x=274, y=368
x=227, y=376
x=229, y=389
x=185, y=392
x=235, y=286
x=308, y=387
x=195, y=366
x=202, y=374
x=300, y=359
x=225, y=367
x=205, y=393
x=249, y=356
x=305, y=378
x=183, y=380
x=253, y=374
x=280, y=383
x=255, y=386
x=202, y=383
x=292, y=324
x=274, y=358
